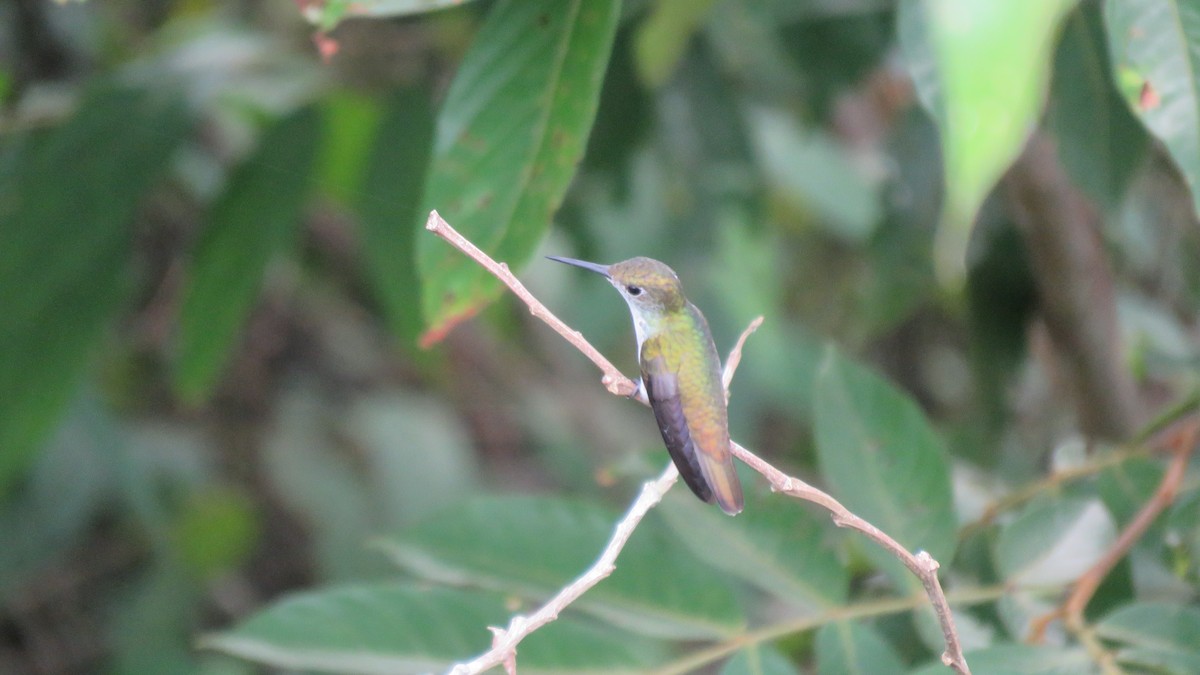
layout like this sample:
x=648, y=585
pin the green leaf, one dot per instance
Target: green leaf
x=573, y=646
x=883, y=460
x=419, y=458
x=330, y=13
x=1125, y=488
x=775, y=544
x=401, y=7
x=512, y=129
x=759, y=660
x=1157, y=636
x=254, y=219
x=393, y=628
x=351, y=120
x=1154, y=46
x=387, y=211
x=809, y=167
x=366, y=629
x=335, y=494
x=1013, y=659
x=151, y=624
x=663, y=36
x=747, y=278
x=981, y=67
x=1099, y=141
x=216, y=531
x=66, y=207
x=6, y=84
x=1053, y=542
x=65, y=488
x=534, y=546
x=848, y=647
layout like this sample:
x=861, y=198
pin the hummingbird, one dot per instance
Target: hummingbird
x=681, y=376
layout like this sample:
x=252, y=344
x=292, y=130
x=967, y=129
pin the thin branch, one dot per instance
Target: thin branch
x=922, y=564
x=693, y=661
x=1137, y=447
x=614, y=381
x=1182, y=442
x=735, y=354
x=1046, y=484
x=504, y=644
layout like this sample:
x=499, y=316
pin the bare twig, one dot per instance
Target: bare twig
x=735, y=354
x=1147, y=441
x=922, y=564
x=1182, y=442
x=614, y=381
x=504, y=644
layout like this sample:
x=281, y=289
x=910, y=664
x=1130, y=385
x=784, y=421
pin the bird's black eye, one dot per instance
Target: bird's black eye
x=633, y=290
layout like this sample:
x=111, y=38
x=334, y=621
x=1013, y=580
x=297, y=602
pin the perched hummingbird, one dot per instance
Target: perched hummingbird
x=681, y=375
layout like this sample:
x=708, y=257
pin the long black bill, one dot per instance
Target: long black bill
x=598, y=269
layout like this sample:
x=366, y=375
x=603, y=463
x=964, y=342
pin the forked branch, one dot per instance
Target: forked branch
x=504, y=645
x=505, y=640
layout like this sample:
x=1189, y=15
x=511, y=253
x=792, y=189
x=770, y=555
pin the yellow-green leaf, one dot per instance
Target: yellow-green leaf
x=982, y=68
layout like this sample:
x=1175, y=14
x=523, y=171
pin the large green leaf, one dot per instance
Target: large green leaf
x=1159, y=637
x=1155, y=46
x=534, y=546
x=883, y=460
x=395, y=629
x=66, y=207
x=775, y=544
x=509, y=136
x=254, y=219
x=1099, y=142
x=849, y=648
x=981, y=67
x=387, y=209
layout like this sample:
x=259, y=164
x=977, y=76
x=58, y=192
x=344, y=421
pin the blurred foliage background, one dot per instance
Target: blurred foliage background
x=233, y=366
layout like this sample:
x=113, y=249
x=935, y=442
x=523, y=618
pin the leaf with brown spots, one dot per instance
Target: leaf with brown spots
x=509, y=136
x=1155, y=47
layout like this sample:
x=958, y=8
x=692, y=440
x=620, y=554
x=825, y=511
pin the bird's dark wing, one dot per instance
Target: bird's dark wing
x=662, y=388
